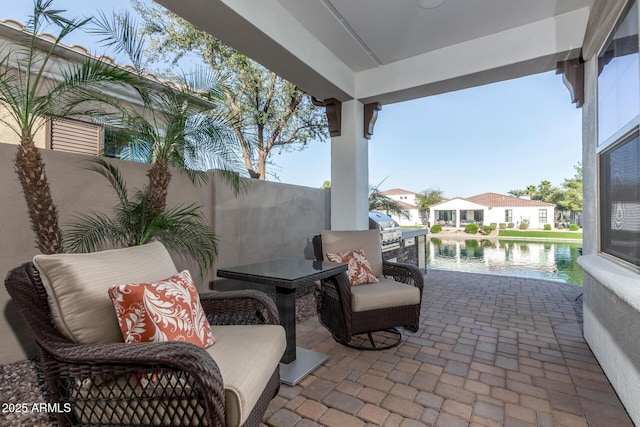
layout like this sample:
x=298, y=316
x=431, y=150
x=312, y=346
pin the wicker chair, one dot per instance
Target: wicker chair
x=168, y=383
x=348, y=311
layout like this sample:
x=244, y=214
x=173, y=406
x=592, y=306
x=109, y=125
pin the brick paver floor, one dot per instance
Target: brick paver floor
x=491, y=351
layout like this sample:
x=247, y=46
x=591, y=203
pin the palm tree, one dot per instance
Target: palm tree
x=30, y=97
x=517, y=193
x=180, y=125
x=531, y=191
x=134, y=222
x=380, y=202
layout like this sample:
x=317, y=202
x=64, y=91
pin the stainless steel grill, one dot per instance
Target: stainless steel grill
x=390, y=232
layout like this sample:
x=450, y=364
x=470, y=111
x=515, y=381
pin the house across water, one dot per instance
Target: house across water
x=488, y=208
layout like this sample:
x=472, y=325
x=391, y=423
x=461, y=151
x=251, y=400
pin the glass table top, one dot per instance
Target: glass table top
x=289, y=269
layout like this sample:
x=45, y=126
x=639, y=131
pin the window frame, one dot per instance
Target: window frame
x=626, y=133
x=542, y=213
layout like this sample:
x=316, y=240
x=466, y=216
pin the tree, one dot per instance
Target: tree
x=517, y=193
x=31, y=97
x=571, y=199
x=180, y=124
x=531, y=191
x=181, y=229
x=267, y=112
x=428, y=198
x=326, y=184
x=544, y=191
x=380, y=202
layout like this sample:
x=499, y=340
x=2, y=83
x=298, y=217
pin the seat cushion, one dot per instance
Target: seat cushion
x=386, y=293
x=343, y=241
x=247, y=356
x=77, y=286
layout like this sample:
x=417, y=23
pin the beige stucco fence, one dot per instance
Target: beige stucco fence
x=267, y=220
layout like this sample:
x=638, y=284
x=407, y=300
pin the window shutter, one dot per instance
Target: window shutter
x=73, y=136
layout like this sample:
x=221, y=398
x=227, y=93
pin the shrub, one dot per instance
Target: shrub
x=523, y=225
x=574, y=227
x=493, y=225
x=502, y=226
x=547, y=227
x=435, y=229
x=471, y=228
x=510, y=225
x=486, y=229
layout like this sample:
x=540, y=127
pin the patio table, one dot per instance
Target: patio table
x=286, y=275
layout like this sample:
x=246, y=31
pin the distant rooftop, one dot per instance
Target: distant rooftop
x=495, y=200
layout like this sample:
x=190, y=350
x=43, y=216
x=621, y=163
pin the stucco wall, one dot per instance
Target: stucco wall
x=268, y=220
x=611, y=293
x=7, y=135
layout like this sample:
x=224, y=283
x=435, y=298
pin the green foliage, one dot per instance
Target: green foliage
x=181, y=125
x=502, y=226
x=493, y=226
x=268, y=113
x=471, y=228
x=428, y=198
x=574, y=227
x=486, y=229
x=181, y=228
x=436, y=241
x=540, y=233
x=547, y=227
x=510, y=225
x=34, y=90
x=523, y=225
x=435, y=229
x=380, y=202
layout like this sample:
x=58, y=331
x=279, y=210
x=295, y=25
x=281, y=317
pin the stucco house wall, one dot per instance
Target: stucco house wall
x=407, y=200
x=496, y=212
x=611, y=302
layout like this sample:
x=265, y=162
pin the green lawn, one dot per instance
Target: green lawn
x=541, y=233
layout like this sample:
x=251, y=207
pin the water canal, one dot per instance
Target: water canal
x=539, y=260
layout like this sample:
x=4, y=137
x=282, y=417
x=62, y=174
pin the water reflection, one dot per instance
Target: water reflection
x=540, y=260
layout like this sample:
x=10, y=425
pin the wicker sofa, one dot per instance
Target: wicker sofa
x=347, y=311
x=101, y=381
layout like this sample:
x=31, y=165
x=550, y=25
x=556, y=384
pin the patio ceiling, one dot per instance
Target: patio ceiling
x=390, y=51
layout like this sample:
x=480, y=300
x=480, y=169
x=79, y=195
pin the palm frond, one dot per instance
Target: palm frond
x=112, y=174
x=90, y=233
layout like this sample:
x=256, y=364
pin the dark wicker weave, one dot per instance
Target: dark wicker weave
x=334, y=306
x=169, y=384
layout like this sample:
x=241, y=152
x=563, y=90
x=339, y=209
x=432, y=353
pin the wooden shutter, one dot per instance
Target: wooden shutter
x=74, y=136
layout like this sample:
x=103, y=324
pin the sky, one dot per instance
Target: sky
x=492, y=138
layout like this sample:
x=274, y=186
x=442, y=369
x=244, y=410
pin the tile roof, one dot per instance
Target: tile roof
x=398, y=191
x=501, y=200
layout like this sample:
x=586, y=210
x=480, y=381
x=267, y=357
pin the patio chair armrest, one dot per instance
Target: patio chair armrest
x=405, y=273
x=239, y=307
x=190, y=364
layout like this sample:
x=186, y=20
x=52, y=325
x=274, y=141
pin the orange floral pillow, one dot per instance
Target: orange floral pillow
x=359, y=271
x=168, y=310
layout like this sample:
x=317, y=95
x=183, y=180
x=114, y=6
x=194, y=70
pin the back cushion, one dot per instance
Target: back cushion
x=343, y=241
x=78, y=284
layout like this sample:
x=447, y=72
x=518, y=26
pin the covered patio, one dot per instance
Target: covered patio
x=491, y=351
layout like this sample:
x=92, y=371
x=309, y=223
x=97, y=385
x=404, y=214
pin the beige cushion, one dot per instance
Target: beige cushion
x=247, y=356
x=343, y=241
x=77, y=287
x=386, y=293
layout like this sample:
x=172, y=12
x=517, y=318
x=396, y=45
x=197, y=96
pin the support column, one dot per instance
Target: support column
x=350, y=171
